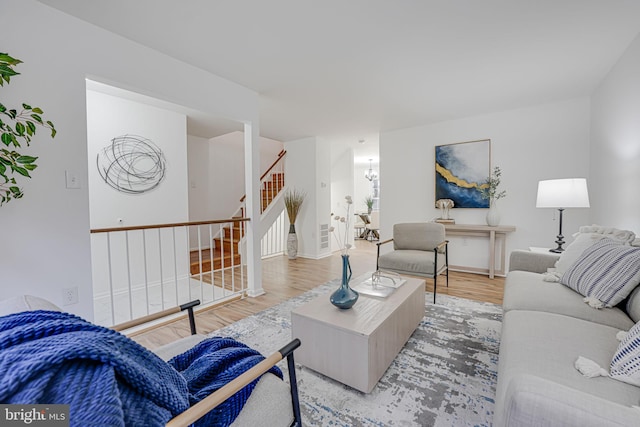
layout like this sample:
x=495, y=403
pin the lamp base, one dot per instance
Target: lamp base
x=559, y=237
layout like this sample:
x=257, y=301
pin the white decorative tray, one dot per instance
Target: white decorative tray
x=380, y=284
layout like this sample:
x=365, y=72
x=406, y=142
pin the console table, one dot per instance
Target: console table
x=493, y=233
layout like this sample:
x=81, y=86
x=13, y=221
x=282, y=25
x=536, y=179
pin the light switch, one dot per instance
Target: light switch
x=72, y=179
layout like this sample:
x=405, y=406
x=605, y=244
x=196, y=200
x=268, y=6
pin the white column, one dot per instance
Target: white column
x=252, y=190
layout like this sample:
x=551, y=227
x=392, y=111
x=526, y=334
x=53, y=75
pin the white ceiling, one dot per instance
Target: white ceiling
x=352, y=68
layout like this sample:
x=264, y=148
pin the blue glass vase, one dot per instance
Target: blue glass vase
x=344, y=297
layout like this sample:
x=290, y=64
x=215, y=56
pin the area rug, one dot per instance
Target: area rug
x=444, y=376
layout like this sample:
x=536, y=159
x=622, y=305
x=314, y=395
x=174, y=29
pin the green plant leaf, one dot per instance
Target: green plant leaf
x=7, y=59
x=30, y=167
x=26, y=159
x=6, y=138
x=20, y=129
x=2, y=108
x=37, y=110
x=37, y=118
x=21, y=171
x=27, y=106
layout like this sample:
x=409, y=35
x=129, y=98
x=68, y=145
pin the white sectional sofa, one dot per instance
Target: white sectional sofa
x=546, y=327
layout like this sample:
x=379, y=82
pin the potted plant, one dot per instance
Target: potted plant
x=293, y=199
x=369, y=202
x=20, y=128
x=490, y=190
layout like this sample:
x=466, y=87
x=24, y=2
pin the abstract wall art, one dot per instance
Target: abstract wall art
x=132, y=164
x=461, y=169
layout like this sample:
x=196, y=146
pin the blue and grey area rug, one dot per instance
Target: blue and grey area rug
x=444, y=376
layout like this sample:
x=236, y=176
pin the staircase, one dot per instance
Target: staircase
x=224, y=252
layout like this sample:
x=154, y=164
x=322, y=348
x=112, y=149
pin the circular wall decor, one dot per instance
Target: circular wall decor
x=132, y=164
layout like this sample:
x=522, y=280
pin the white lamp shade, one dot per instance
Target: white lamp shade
x=563, y=193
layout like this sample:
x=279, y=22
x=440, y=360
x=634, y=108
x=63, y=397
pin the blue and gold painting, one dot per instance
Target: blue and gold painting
x=461, y=169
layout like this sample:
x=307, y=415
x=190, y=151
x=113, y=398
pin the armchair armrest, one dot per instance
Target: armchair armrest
x=155, y=316
x=201, y=408
x=535, y=262
x=378, y=254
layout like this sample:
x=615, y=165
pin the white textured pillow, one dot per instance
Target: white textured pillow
x=606, y=271
x=625, y=365
x=25, y=303
x=575, y=249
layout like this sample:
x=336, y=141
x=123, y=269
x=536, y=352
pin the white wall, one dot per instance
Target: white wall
x=529, y=144
x=615, y=145
x=109, y=117
x=47, y=232
x=198, y=161
x=342, y=184
x=308, y=169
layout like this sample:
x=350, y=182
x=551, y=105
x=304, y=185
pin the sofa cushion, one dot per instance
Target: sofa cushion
x=528, y=291
x=625, y=365
x=605, y=271
x=546, y=345
x=633, y=305
x=410, y=261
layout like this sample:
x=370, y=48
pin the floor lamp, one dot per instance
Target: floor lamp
x=561, y=194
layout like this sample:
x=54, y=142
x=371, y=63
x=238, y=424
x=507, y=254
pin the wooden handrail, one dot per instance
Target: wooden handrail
x=280, y=156
x=177, y=224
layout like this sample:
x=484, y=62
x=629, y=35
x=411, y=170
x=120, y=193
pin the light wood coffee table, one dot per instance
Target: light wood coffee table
x=356, y=346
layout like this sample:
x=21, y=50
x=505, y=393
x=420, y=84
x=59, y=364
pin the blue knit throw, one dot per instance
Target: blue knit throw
x=110, y=380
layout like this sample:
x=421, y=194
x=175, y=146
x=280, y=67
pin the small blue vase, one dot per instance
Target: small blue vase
x=344, y=297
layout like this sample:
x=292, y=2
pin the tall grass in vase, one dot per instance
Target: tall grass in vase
x=293, y=200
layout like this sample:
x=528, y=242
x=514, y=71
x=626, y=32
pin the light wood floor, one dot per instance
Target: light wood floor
x=284, y=279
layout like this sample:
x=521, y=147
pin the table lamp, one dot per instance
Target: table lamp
x=561, y=194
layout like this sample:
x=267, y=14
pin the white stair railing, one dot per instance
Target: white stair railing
x=142, y=270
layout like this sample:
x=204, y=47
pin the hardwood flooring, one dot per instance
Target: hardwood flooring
x=284, y=279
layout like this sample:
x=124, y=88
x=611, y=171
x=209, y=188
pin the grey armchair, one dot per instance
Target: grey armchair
x=419, y=249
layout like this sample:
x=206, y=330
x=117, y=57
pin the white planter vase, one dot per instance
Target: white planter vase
x=493, y=215
x=292, y=243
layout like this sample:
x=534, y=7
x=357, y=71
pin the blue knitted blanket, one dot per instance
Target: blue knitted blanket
x=110, y=380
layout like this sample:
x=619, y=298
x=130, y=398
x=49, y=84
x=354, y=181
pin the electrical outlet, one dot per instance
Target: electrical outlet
x=70, y=296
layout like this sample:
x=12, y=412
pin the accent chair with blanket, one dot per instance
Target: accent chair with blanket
x=52, y=357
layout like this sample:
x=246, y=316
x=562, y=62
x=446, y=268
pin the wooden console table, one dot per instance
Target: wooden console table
x=493, y=233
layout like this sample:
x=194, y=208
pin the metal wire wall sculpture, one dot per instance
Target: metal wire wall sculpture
x=132, y=164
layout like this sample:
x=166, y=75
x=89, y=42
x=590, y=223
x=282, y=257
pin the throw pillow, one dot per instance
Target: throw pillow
x=575, y=249
x=606, y=272
x=625, y=365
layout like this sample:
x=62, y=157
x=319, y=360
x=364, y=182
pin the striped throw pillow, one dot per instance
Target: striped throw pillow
x=625, y=365
x=605, y=271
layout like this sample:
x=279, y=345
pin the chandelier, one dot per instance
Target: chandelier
x=370, y=174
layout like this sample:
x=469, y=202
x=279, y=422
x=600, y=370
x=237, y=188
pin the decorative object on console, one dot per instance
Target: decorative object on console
x=344, y=297
x=460, y=171
x=489, y=190
x=561, y=194
x=444, y=205
x=293, y=199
